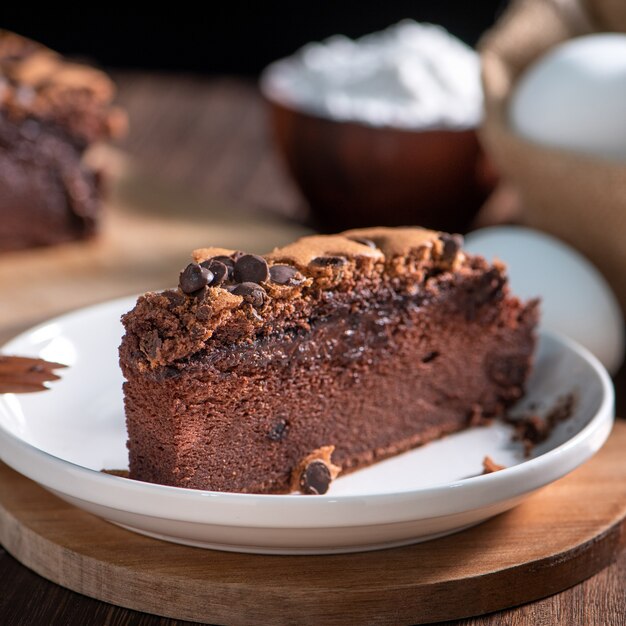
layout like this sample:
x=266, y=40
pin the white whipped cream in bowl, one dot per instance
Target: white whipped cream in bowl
x=410, y=76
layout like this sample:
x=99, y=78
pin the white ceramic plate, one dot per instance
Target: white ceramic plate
x=61, y=438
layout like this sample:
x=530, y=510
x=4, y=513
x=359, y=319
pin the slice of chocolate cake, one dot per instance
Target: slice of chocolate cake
x=51, y=111
x=265, y=374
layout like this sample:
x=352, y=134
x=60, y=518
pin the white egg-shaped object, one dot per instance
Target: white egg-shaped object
x=574, y=97
x=576, y=299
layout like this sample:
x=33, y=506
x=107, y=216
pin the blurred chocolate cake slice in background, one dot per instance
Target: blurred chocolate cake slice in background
x=51, y=111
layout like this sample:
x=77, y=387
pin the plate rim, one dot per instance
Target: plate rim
x=338, y=507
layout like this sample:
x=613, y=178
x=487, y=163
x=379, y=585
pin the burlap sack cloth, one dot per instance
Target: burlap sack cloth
x=581, y=200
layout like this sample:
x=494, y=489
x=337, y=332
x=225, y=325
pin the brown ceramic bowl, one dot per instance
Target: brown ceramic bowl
x=356, y=175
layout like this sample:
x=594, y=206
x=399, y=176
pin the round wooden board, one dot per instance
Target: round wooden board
x=557, y=538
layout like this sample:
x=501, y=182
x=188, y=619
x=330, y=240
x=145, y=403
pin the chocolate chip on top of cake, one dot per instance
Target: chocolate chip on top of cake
x=229, y=292
x=372, y=341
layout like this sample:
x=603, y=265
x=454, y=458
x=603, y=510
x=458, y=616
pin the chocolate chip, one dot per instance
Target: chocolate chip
x=228, y=262
x=250, y=292
x=315, y=479
x=120, y=473
x=218, y=269
x=278, y=430
x=251, y=268
x=284, y=275
x=431, y=356
x=194, y=277
x=329, y=261
x=364, y=241
x=169, y=372
x=451, y=245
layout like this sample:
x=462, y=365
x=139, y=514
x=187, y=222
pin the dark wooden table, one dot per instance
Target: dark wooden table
x=210, y=136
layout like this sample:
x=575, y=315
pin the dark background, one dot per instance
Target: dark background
x=231, y=37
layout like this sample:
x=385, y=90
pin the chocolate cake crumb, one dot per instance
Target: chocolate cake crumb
x=490, y=466
x=121, y=473
x=313, y=475
x=532, y=429
x=150, y=344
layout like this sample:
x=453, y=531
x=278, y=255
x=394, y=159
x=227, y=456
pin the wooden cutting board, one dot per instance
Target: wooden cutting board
x=557, y=538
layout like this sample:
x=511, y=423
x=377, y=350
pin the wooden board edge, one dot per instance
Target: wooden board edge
x=472, y=597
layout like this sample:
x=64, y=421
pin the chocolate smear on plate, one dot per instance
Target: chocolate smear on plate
x=20, y=374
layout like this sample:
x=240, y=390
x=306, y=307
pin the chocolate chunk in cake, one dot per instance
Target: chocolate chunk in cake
x=51, y=111
x=313, y=475
x=373, y=341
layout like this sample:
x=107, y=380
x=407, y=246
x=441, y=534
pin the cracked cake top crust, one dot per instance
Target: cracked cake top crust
x=226, y=297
